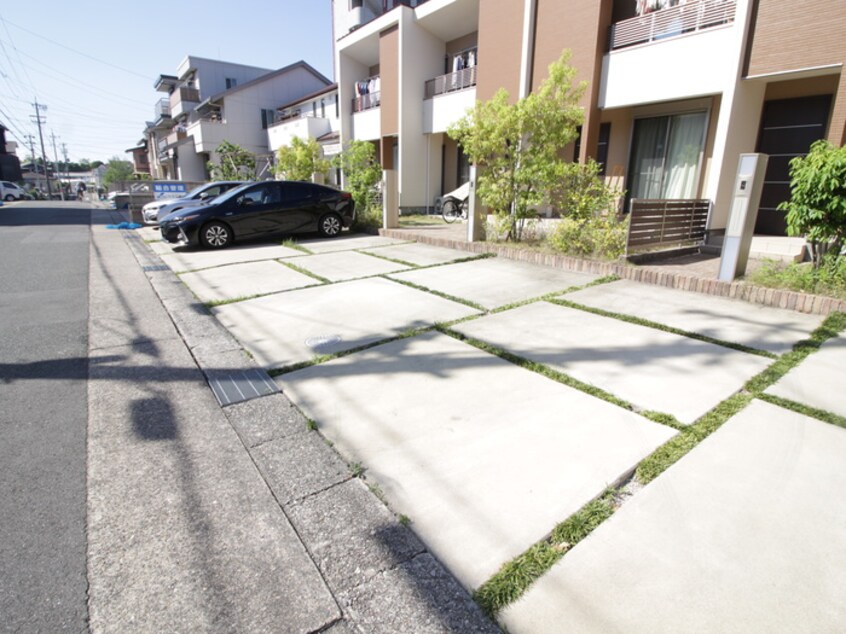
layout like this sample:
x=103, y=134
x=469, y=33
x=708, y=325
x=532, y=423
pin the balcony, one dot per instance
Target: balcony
x=671, y=22
x=303, y=127
x=459, y=80
x=162, y=109
x=208, y=133
x=370, y=99
x=184, y=100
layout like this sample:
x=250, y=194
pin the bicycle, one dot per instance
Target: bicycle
x=455, y=210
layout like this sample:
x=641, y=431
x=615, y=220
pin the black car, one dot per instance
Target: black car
x=261, y=209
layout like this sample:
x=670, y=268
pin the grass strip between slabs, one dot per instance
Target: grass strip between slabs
x=515, y=576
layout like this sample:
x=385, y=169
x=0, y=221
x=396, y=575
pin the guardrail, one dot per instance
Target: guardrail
x=366, y=102
x=671, y=22
x=660, y=224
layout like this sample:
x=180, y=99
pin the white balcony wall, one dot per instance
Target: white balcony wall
x=191, y=165
x=207, y=135
x=180, y=106
x=281, y=134
x=367, y=125
x=701, y=63
x=442, y=111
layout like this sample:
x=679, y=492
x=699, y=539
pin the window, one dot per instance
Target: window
x=463, y=174
x=601, y=146
x=323, y=108
x=267, y=118
x=356, y=4
x=666, y=153
x=231, y=82
x=298, y=191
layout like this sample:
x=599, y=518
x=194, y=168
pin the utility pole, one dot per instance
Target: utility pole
x=31, y=140
x=67, y=163
x=39, y=120
x=58, y=166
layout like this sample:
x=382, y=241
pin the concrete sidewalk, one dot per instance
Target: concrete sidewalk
x=236, y=518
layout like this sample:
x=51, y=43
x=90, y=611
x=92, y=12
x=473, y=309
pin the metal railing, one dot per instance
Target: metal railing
x=459, y=80
x=660, y=224
x=671, y=22
x=367, y=102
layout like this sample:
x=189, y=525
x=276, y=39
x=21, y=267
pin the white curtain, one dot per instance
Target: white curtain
x=687, y=132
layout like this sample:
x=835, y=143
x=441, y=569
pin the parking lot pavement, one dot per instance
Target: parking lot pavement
x=244, y=280
x=419, y=254
x=346, y=242
x=649, y=368
x=483, y=456
x=495, y=282
x=818, y=380
x=735, y=321
x=486, y=456
x=183, y=259
x=337, y=266
x=741, y=535
x=280, y=330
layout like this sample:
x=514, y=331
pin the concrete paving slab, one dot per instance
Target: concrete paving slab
x=818, y=381
x=160, y=247
x=291, y=327
x=184, y=259
x=651, y=369
x=347, y=242
x=346, y=265
x=265, y=419
x=245, y=280
x=495, y=282
x=483, y=457
x=744, y=534
x=420, y=254
x=149, y=233
x=733, y=320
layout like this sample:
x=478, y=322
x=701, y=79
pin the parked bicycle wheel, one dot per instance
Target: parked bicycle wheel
x=451, y=211
x=465, y=209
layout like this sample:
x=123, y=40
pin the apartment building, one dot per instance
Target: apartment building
x=677, y=89
x=211, y=101
x=315, y=116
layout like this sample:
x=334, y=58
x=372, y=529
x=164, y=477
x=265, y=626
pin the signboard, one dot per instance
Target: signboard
x=169, y=190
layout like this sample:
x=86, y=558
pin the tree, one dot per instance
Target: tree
x=300, y=160
x=817, y=205
x=117, y=170
x=236, y=163
x=362, y=173
x=519, y=146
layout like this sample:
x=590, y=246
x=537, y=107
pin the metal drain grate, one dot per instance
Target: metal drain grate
x=240, y=385
x=155, y=267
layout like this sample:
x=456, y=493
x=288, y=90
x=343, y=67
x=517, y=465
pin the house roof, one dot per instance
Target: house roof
x=276, y=73
x=316, y=93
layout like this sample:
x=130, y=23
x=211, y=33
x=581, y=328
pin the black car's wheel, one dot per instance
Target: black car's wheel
x=215, y=235
x=330, y=225
x=9, y=198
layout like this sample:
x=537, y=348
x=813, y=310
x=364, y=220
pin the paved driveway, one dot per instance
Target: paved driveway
x=489, y=400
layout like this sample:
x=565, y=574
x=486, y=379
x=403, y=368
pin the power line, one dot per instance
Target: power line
x=100, y=61
x=15, y=48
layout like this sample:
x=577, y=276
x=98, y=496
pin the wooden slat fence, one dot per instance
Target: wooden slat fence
x=661, y=224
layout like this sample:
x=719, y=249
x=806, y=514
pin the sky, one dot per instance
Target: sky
x=93, y=64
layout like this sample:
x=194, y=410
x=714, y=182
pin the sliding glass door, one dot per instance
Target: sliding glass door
x=666, y=153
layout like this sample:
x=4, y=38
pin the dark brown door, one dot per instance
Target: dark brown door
x=788, y=128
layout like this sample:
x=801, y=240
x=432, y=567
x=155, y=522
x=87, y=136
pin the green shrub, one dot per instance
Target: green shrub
x=602, y=237
x=829, y=279
x=369, y=217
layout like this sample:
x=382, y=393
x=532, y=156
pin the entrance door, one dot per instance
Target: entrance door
x=788, y=128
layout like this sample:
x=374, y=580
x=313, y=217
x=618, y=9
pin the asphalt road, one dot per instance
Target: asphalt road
x=43, y=416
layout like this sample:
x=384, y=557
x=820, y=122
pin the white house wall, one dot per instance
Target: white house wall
x=211, y=74
x=667, y=70
x=367, y=125
x=281, y=134
x=422, y=58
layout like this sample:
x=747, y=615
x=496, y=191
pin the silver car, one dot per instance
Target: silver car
x=157, y=209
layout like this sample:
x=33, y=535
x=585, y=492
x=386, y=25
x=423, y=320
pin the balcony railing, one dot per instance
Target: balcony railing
x=459, y=80
x=189, y=94
x=367, y=102
x=162, y=109
x=671, y=22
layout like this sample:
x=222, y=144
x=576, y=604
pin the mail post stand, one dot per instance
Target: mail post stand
x=746, y=197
